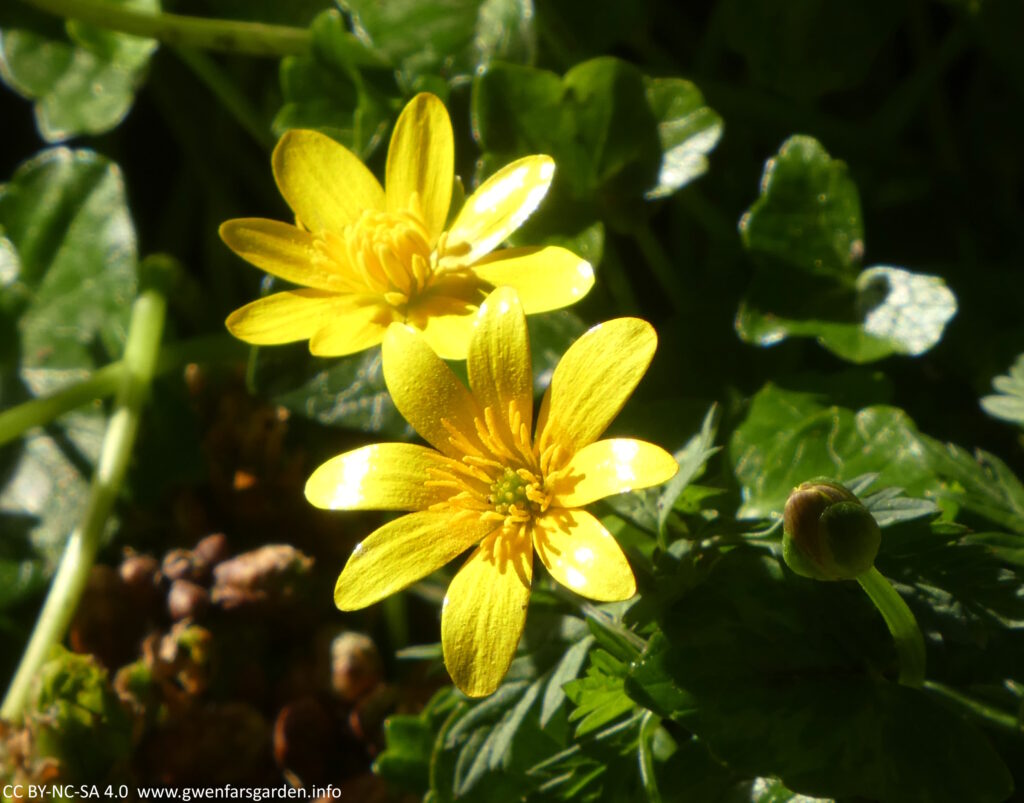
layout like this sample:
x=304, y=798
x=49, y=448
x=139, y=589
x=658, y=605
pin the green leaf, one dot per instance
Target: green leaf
x=566, y=670
x=321, y=92
x=66, y=305
x=789, y=437
x=781, y=676
x=687, y=129
x=808, y=214
x=410, y=742
x=1009, y=403
x=806, y=48
x=82, y=79
x=76, y=718
x=595, y=122
x=551, y=334
x=806, y=236
x=450, y=37
x=691, y=458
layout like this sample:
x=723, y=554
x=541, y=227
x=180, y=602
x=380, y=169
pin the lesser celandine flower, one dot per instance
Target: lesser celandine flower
x=491, y=483
x=367, y=256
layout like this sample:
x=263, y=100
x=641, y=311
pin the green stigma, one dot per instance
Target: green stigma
x=510, y=491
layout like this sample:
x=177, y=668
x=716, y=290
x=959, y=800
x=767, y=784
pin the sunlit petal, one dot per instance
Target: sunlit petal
x=402, y=552
x=421, y=161
x=500, y=206
x=286, y=317
x=382, y=476
x=448, y=335
x=360, y=327
x=281, y=250
x=608, y=467
x=546, y=278
x=426, y=392
x=323, y=182
x=583, y=556
x=592, y=382
x=499, y=357
x=483, y=615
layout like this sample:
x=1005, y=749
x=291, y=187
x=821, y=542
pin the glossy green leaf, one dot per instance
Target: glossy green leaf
x=551, y=334
x=687, y=129
x=82, y=79
x=453, y=38
x=808, y=215
x=65, y=218
x=1008, y=404
x=596, y=122
x=320, y=90
x=691, y=458
x=782, y=677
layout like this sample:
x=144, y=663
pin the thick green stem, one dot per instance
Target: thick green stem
x=902, y=625
x=230, y=36
x=139, y=366
x=106, y=380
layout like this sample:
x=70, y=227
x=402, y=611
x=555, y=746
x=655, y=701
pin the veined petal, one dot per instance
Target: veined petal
x=280, y=249
x=483, y=615
x=608, y=467
x=286, y=317
x=448, y=335
x=498, y=364
x=382, y=476
x=425, y=391
x=355, y=329
x=592, y=382
x=421, y=160
x=402, y=552
x=583, y=556
x=500, y=206
x=323, y=182
x=546, y=278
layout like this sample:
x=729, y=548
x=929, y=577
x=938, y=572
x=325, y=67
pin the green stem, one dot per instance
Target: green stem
x=649, y=724
x=987, y=713
x=230, y=36
x=902, y=625
x=140, y=358
x=106, y=380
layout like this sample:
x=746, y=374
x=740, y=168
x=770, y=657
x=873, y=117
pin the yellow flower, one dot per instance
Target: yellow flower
x=488, y=482
x=367, y=256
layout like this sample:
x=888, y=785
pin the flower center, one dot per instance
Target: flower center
x=515, y=497
x=387, y=253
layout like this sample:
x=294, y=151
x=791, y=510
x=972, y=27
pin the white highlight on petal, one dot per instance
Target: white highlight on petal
x=354, y=468
x=492, y=197
x=584, y=554
x=358, y=549
x=575, y=578
x=624, y=453
x=547, y=171
x=504, y=307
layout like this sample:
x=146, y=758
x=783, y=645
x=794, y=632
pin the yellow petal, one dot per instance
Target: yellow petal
x=483, y=616
x=546, y=278
x=593, y=381
x=402, y=552
x=499, y=207
x=608, y=467
x=448, y=335
x=323, y=182
x=426, y=392
x=421, y=160
x=382, y=476
x=499, y=365
x=286, y=317
x=583, y=556
x=353, y=330
x=281, y=250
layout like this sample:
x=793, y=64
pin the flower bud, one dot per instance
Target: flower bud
x=828, y=533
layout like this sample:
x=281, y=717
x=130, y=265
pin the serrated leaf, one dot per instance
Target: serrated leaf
x=82, y=79
x=691, y=458
x=566, y=670
x=1009, y=404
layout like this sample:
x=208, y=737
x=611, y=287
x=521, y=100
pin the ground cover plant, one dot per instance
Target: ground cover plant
x=512, y=399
